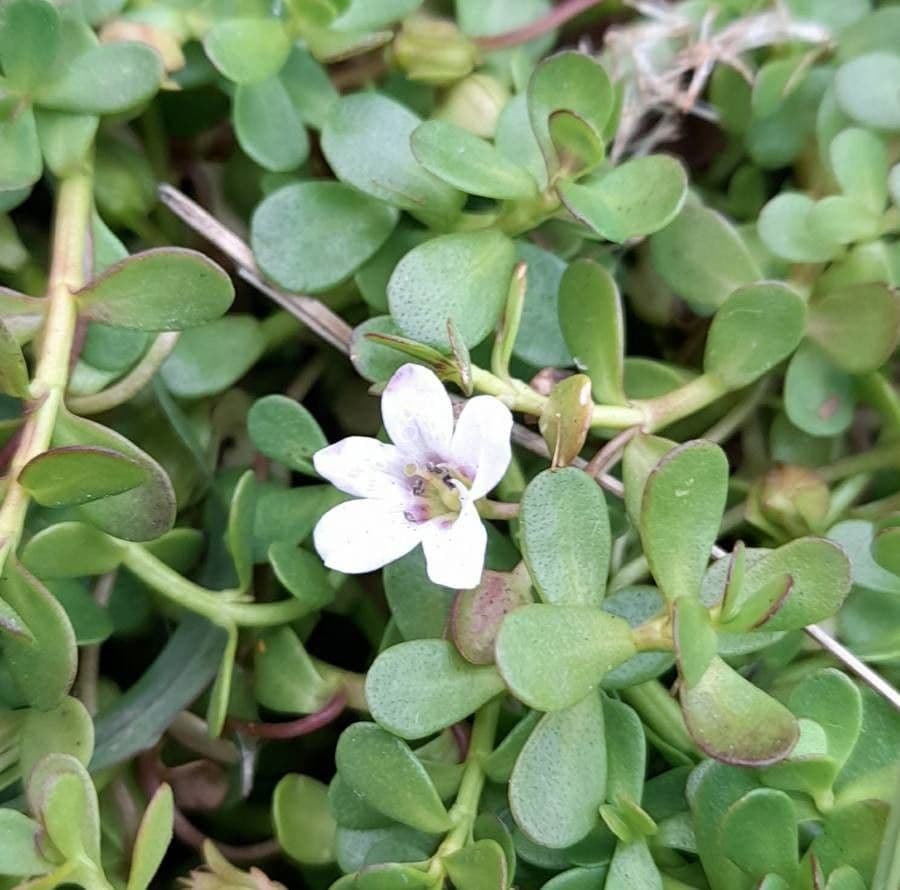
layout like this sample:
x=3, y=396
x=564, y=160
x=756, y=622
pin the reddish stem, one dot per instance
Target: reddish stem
x=558, y=16
x=188, y=833
x=292, y=729
x=461, y=737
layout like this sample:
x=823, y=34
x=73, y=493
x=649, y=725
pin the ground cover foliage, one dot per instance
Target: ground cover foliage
x=449, y=444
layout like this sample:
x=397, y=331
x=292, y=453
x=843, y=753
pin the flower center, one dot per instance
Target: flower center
x=435, y=489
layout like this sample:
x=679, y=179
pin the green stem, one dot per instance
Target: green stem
x=465, y=809
x=661, y=713
x=489, y=509
x=218, y=607
x=681, y=402
x=884, y=457
x=518, y=396
x=132, y=383
x=68, y=272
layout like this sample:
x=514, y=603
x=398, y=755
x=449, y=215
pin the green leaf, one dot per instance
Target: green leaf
x=13, y=370
x=515, y=139
x=20, y=162
x=66, y=139
x=565, y=537
x=107, y=79
x=419, y=607
x=64, y=729
x=164, y=289
x=239, y=534
x=390, y=778
x=20, y=854
x=198, y=366
x=463, y=276
x=284, y=430
x=137, y=719
x=477, y=615
x=626, y=751
x=303, y=824
x=579, y=148
x=540, y=340
x=702, y=257
x=286, y=679
x=845, y=878
x=469, y=163
x=302, y=574
x=818, y=397
x=349, y=228
x=29, y=41
x=387, y=169
x=247, y=50
x=760, y=605
x=760, y=834
x=820, y=573
x=141, y=514
x=559, y=780
x=857, y=326
x=71, y=550
x=851, y=836
x=79, y=474
x=419, y=687
x=480, y=865
x=864, y=88
x=573, y=82
x=311, y=91
x=860, y=163
x=91, y=622
x=592, y=322
x=43, y=668
x=552, y=656
x=268, y=127
x=565, y=419
x=633, y=866
x=635, y=199
x=784, y=229
x=153, y=838
x=695, y=639
x=220, y=694
x=833, y=700
x=641, y=456
x=842, y=220
x=757, y=327
x=681, y=510
x=61, y=793
x=733, y=721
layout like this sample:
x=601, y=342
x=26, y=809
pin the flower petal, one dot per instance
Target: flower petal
x=417, y=414
x=454, y=550
x=363, y=467
x=361, y=536
x=481, y=446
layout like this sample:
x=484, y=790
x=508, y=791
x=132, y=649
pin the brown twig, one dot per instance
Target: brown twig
x=610, y=454
x=292, y=729
x=556, y=18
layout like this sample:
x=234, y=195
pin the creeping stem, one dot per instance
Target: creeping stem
x=68, y=272
x=465, y=809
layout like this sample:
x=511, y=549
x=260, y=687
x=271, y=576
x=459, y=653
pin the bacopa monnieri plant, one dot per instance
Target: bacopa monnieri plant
x=449, y=444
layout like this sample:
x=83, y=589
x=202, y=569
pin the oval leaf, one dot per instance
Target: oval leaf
x=559, y=780
x=757, y=327
x=389, y=777
x=165, y=289
x=420, y=687
x=565, y=537
x=553, y=656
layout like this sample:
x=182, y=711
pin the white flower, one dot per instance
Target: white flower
x=420, y=490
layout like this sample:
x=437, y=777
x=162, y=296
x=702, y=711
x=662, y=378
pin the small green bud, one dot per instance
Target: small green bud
x=433, y=51
x=789, y=502
x=220, y=874
x=474, y=104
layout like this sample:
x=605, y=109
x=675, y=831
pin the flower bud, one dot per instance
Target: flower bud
x=475, y=104
x=220, y=874
x=433, y=50
x=789, y=502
